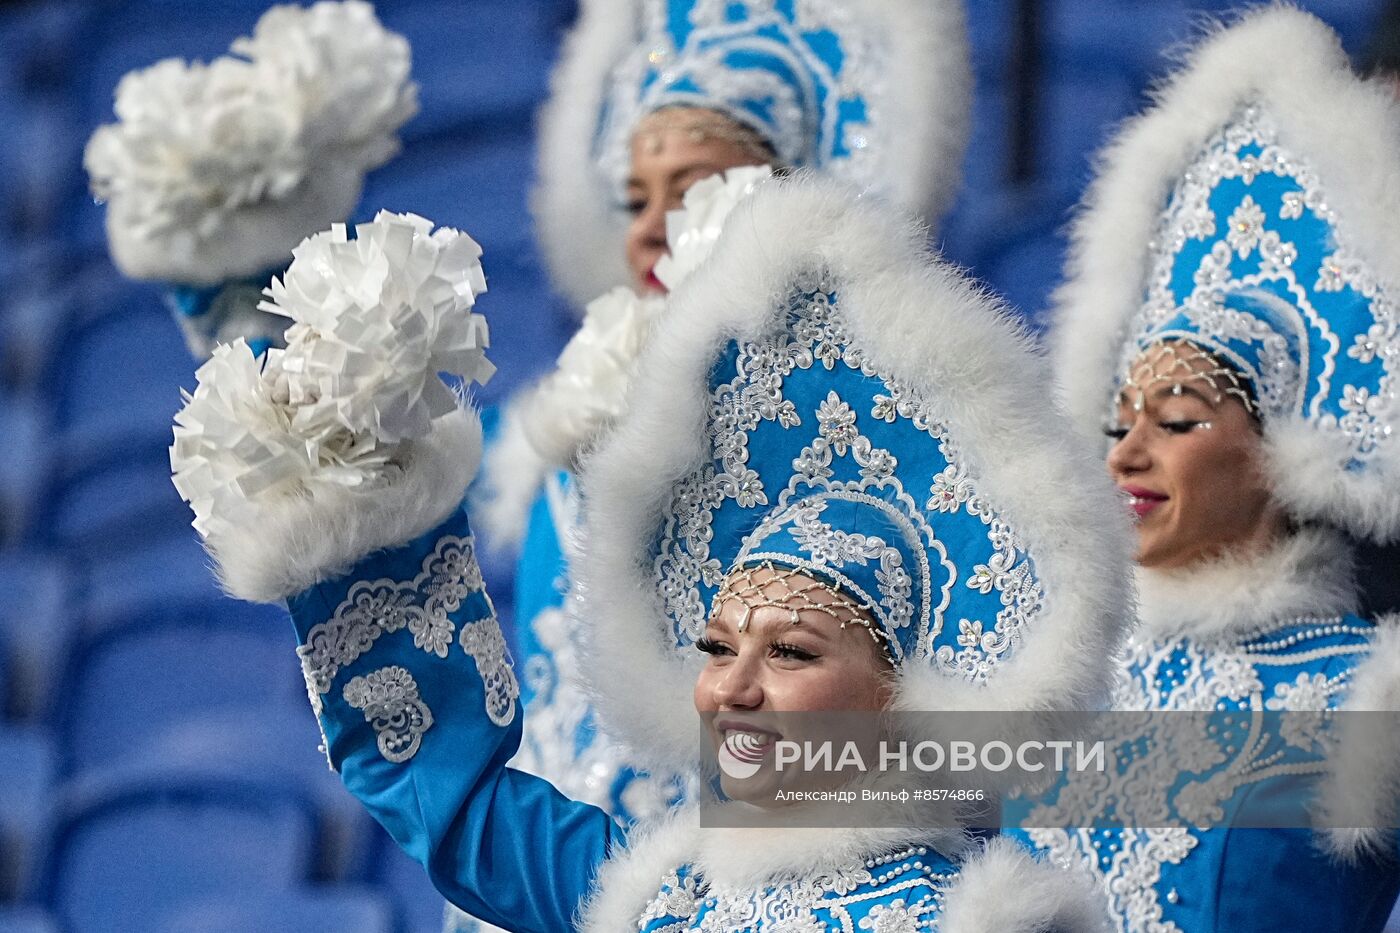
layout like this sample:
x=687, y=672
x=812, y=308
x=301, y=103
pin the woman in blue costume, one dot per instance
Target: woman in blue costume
x=651, y=97
x=838, y=485
x=1229, y=314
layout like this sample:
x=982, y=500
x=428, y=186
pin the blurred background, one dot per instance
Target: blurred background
x=158, y=763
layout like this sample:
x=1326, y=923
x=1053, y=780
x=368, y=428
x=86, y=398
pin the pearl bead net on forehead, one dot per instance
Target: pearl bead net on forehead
x=768, y=585
x=701, y=125
x=1177, y=363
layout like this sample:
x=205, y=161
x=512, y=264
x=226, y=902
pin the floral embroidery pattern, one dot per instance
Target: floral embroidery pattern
x=844, y=437
x=449, y=575
x=390, y=701
x=899, y=893
x=1187, y=676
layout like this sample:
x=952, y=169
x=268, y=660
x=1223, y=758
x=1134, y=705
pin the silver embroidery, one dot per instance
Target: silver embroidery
x=483, y=642
x=390, y=701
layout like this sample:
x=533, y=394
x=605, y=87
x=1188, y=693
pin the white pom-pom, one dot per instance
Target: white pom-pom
x=377, y=318
x=214, y=172
x=691, y=231
x=233, y=441
x=588, y=388
x=348, y=75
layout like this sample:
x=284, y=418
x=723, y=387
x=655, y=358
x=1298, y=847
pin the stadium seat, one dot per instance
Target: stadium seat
x=28, y=768
x=277, y=743
x=126, y=855
x=420, y=906
x=27, y=920
x=141, y=675
x=171, y=568
x=327, y=910
x=24, y=463
x=37, y=619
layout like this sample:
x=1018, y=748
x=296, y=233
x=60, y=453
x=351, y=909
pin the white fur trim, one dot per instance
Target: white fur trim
x=1293, y=65
x=512, y=474
x=1363, y=769
x=284, y=547
x=631, y=877
x=1005, y=890
x=913, y=316
x=926, y=116
x=1309, y=573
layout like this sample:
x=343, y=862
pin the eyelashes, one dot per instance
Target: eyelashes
x=1171, y=427
x=778, y=649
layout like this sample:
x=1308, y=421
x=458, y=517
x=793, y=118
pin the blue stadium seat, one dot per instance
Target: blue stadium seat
x=474, y=183
x=24, y=463
x=420, y=905
x=100, y=508
x=28, y=768
x=486, y=61
x=1078, y=112
x=277, y=743
x=138, y=677
x=326, y=910
x=126, y=854
x=38, y=619
x=27, y=920
x=172, y=568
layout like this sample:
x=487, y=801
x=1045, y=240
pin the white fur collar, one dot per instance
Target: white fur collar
x=1000, y=887
x=1309, y=573
x=284, y=547
x=1362, y=781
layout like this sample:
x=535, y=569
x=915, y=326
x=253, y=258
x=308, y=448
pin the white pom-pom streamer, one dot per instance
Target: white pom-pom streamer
x=377, y=318
x=346, y=72
x=589, y=385
x=691, y=231
x=214, y=172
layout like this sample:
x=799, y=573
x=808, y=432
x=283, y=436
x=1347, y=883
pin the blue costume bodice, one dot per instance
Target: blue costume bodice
x=561, y=741
x=1185, y=879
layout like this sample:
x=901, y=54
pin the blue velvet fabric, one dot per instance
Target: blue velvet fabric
x=503, y=845
x=1232, y=877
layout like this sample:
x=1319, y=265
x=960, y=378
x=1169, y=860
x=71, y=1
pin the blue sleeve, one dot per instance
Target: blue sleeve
x=410, y=677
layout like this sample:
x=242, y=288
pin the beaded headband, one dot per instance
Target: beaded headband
x=701, y=125
x=767, y=585
x=1178, y=362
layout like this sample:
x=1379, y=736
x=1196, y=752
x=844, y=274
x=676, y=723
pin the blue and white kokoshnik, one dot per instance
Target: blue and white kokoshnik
x=825, y=464
x=800, y=74
x=1255, y=266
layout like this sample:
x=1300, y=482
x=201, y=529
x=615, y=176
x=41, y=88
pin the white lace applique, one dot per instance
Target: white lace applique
x=390, y=701
x=373, y=608
x=483, y=642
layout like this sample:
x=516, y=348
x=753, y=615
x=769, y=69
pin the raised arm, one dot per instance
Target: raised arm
x=331, y=476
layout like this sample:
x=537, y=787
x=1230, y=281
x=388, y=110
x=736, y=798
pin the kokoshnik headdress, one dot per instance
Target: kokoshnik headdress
x=827, y=397
x=873, y=92
x=1251, y=215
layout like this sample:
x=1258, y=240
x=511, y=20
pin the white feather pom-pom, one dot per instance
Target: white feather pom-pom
x=588, y=387
x=691, y=231
x=377, y=318
x=347, y=73
x=214, y=172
